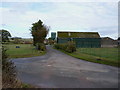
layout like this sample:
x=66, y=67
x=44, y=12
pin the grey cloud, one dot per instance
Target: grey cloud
x=107, y=31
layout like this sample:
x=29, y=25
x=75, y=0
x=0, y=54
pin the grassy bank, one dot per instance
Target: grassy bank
x=108, y=56
x=25, y=50
x=23, y=85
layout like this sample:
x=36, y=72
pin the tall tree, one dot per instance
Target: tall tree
x=39, y=32
x=5, y=35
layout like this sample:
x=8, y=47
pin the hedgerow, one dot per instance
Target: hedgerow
x=68, y=47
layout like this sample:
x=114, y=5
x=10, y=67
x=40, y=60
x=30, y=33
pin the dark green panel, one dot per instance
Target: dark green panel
x=83, y=42
x=53, y=35
x=65, y=40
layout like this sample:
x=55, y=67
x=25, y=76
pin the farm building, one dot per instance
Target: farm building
x=53, y=35
x=108, y=42
x=82, y=39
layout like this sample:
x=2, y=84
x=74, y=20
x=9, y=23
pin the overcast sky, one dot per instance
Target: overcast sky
x=101, y=17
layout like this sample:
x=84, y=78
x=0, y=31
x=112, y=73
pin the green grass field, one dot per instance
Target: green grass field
x=107, y=56
x=106, y=53
x=25, y=50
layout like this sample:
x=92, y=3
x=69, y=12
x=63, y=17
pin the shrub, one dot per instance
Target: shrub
x=57, y=46
x=40, y=46
x=9, y=79
x=27, y=42
x=68, y=47
x=51, y=42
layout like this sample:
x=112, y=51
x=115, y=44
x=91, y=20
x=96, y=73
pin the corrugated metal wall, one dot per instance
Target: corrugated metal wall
x=62, y=40
x=83, y=42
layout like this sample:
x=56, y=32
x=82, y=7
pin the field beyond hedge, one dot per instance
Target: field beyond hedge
x=107, y=56
x=25, y=50
x=106, y=53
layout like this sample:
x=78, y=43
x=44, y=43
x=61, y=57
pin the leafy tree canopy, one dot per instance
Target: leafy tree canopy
x=5, y=35
x=39, y=32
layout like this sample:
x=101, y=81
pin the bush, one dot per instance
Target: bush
x=9, y=79
x=40, y=46
x=68, y=47
x=52, y=42
x=27, y=42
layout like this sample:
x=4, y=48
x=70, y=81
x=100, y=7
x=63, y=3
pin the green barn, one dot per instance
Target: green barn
x=82, y=39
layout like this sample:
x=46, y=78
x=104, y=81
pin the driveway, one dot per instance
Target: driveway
x=58, y=70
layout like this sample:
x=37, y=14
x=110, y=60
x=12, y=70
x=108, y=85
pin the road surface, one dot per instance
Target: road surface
x=58, y=70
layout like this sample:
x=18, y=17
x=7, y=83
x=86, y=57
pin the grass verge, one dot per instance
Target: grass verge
x=24, y=85
x=25, y=50
x=93, y=58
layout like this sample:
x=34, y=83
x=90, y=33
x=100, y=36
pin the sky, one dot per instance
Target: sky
x=101, y=17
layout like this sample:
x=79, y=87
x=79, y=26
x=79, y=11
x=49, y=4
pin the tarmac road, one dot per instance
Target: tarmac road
x=58, y=70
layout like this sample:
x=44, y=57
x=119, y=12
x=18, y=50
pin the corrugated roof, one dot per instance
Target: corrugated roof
x=62, y=34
